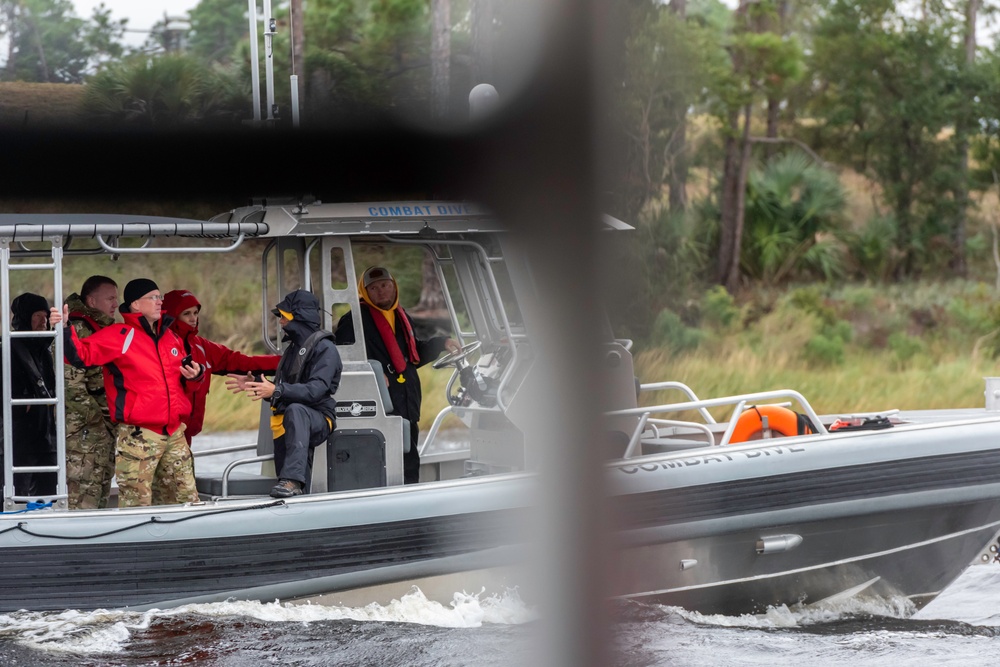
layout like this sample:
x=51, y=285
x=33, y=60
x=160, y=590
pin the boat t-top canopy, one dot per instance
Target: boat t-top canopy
x=40, y=226
x=421, y=218
x=379, y=218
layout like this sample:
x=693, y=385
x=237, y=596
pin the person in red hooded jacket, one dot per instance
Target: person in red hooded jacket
x=185, y=309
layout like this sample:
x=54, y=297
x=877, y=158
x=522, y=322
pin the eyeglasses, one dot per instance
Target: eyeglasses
x=155, y=297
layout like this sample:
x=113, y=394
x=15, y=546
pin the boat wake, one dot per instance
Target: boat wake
x=101, y=631
x=958, y=612
x=808, y=616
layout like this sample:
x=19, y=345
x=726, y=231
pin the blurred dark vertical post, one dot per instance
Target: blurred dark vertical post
x=546, y=183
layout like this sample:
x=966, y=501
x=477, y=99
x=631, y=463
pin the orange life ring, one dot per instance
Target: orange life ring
x=751, y=422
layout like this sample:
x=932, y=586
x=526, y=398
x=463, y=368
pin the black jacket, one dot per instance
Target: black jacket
x=32, y=375
x=406, y=396
x=318, y=375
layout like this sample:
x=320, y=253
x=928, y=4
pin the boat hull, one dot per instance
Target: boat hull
x=165, y=557
x=897, y=513
x=896, y=554
x=891, y=514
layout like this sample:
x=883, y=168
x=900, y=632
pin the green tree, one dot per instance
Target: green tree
x=666, y=60
x=217, y=27
x=964, y=127
x=47, y=42
x=892, y=87
x=762, y=63
x=103, y=37
x=793, y=209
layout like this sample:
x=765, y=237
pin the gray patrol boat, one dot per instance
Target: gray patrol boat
x=771, y=506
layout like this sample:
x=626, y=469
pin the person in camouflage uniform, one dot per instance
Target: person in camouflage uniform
x=154, y=468
x=90, y=434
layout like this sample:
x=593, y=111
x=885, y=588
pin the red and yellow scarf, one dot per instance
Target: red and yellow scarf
x=385, y=322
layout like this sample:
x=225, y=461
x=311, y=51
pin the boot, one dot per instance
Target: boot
x=286, y=488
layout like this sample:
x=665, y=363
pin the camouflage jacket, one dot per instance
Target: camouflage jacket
x=86, y=403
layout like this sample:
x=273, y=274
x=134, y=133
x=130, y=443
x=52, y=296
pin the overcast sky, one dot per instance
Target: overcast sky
x=141, y=14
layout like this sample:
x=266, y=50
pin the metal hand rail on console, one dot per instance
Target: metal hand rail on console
x=229, y=450
x=241, y=462
x=740, y=402
x=432, y=433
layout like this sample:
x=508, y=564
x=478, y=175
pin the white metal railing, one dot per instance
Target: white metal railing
x=205, y=453
x=740, y=402
x=236, y=464
x=680, y=386
x=655, y=425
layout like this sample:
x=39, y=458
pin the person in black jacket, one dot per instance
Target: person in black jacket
x=301, y=396
x=32, y=375
x=389, y=339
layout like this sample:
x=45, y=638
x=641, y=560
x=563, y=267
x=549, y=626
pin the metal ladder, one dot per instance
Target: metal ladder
x=11, y=501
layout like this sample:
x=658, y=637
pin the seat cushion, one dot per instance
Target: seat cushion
x=240, y=484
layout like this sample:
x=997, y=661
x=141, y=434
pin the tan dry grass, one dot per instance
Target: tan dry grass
x=863, y=198
x=866, y=382
x=32, y=105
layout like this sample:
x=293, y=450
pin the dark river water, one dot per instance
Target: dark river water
x=958, y=628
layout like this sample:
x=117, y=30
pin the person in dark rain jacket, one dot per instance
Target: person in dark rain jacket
x=32, y=375
x=301, y=396
x=389, y=339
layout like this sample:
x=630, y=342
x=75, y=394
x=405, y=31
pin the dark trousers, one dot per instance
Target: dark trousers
x=411, y=459
x=35, y=483
x=305, y=429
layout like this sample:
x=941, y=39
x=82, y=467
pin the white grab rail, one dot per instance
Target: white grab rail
x=740, y=402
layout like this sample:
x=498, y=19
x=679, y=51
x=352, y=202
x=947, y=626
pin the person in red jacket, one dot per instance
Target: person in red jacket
x=185, y=309
x=145, y=373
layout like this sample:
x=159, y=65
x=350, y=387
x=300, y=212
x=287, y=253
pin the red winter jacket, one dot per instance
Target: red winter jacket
x=142, y=365
x=216, y=359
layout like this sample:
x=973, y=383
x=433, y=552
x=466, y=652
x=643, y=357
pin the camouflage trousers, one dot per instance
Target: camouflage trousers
x=154, y=469
x=90, y=465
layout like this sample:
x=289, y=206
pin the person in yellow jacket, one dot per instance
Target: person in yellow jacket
x=389, y=339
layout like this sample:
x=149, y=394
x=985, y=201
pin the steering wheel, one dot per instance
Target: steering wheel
x=454, y=358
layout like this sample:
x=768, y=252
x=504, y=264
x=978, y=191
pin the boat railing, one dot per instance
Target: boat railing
x=740, y=402
x=236, y=464
x=680, y=386
x=204, y=453
x=655, y=426
x=450, y=409
x=146, y=248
